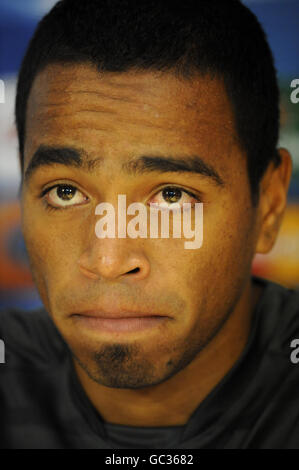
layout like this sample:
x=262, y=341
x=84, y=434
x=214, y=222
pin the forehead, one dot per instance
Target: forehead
x=122, y=112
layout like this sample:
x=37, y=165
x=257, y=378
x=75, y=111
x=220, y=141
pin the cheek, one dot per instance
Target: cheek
x=228, y=230
x=51, y=249
x=211, y=275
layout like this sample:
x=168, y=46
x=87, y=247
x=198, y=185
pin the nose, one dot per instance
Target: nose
x=112, y=259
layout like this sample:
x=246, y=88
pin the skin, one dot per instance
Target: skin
x=162, y=374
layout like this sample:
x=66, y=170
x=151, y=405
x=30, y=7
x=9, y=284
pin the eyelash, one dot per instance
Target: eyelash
x=50, y=208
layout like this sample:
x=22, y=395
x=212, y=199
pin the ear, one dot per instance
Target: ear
x=273, y=198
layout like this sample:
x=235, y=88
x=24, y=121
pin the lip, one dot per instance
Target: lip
x=120, y=324
x=116, y=314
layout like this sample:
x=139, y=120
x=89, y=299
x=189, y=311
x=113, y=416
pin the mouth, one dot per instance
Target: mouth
x=121, y=321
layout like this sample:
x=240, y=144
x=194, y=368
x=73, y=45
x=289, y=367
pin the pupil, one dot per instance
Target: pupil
x=172, y=194
x=66, y=193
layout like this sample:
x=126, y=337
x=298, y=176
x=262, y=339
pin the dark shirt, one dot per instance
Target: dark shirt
x=256, y=404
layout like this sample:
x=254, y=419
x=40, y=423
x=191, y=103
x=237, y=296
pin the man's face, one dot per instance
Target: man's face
x=112, y=119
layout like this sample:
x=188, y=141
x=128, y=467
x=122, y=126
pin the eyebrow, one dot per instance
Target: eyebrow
x=71, y=157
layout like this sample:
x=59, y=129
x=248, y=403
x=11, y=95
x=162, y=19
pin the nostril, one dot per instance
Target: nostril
x=136, y=270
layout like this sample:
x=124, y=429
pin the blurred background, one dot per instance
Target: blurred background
x=18, y=19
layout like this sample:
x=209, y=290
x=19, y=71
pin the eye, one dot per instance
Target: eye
x=174, y=195
x=64, y=195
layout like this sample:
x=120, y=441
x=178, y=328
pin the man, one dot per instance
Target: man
x=144, y=343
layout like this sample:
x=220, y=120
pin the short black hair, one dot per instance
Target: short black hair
x=186, y=37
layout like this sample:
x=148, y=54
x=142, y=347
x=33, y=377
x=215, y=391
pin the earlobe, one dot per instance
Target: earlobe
x=273, y=199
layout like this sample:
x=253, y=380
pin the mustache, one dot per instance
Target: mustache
x=122, y=298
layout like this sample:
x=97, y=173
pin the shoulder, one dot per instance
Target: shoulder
x=30, y=337
x=277, y=332
x=279, y=307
